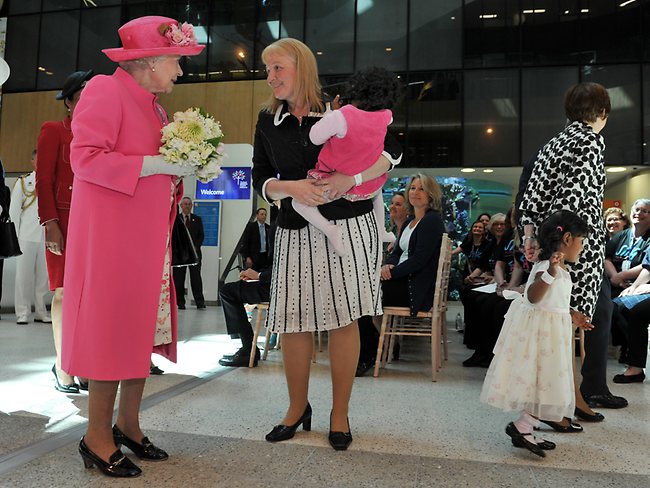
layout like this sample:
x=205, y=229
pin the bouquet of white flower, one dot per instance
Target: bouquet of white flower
x=194, y=139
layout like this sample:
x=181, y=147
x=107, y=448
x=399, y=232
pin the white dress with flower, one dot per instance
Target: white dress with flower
x=532, y=369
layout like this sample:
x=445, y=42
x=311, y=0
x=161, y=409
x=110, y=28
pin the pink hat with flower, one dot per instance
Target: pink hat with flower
x=154, y=36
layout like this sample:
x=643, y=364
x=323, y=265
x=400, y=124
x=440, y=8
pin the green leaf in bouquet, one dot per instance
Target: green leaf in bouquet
x=214, y=141
x=203, y=112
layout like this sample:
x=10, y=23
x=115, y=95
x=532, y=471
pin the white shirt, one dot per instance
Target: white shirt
x=24, y=212
x=404, y=242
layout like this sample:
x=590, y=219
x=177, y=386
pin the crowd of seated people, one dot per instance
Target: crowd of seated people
x=624, y=261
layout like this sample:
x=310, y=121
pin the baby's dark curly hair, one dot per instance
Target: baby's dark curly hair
x=553, y=229
x=374, y=89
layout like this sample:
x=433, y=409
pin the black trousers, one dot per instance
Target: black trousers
x=594, y=367
x=233, y=297
x=195, y=282
x=638, y=319
x=395, y=293
x=492, y=311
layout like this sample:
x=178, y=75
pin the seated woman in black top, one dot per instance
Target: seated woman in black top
x=634, y=304
x=476, y=249
x=408, y=277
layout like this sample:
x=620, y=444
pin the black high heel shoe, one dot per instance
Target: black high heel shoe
x=557, y=427
x=146, y=451
x=71, y=388
x=340, y=441
x=284, y=432
x=118, y=465
x=587, y=417
x=519, y=440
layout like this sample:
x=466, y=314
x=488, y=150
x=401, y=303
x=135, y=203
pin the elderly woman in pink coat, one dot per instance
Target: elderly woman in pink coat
x=118, y=289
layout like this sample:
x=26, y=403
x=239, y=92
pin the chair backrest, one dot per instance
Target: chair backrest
x=442, y=276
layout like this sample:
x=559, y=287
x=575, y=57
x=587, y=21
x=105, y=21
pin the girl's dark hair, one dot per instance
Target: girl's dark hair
x=481, y=215
x=553, y=229
x=374, y=89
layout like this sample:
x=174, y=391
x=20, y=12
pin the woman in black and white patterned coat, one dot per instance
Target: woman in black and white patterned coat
x=569, y=174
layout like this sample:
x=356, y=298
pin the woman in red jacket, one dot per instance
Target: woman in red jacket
x=54, y=187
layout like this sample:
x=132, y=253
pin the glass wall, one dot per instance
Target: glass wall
x=483, y=80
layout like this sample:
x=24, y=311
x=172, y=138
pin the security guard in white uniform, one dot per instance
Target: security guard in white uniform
x=31, y=270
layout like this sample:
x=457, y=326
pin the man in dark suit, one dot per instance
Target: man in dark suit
x=255, y=246
x=195, y=227
x=252, y=287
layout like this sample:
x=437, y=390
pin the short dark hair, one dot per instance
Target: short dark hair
x=555, y=226
x=586, y=101
x=186, y=198
x=259, y=209
x=374, y=89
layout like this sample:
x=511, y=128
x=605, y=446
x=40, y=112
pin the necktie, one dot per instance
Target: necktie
x=187, y=221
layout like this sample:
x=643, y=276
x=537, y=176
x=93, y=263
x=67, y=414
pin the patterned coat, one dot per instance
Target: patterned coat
x=569, y=174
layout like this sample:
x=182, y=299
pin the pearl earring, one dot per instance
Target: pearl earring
x=153, y=69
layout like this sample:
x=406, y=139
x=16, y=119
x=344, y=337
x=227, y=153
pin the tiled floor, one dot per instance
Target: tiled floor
x=407, y=430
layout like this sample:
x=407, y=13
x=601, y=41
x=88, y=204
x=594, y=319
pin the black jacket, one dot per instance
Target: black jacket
x=284, y=151
x=421, y=265
x=196, y=229
x=250, y=247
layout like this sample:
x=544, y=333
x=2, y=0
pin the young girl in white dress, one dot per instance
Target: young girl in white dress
x=532, y=369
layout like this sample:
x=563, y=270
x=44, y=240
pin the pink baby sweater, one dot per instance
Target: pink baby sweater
x=353, y=141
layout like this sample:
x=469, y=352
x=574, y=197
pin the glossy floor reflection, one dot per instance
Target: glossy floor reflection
x=407, y=430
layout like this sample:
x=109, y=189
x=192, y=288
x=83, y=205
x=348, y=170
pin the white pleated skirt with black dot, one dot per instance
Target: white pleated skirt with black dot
x=315, y=289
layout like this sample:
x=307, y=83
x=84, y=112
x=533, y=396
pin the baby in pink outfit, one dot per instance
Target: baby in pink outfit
x=353, y=139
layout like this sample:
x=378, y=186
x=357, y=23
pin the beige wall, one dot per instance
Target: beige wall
x=234, y=104
x=630, y=189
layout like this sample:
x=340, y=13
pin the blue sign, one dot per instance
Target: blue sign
x=232, y=184
x=210, y=213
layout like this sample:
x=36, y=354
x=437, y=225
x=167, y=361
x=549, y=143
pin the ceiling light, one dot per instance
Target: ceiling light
x=626, y=2
x=40, y=68
x=487, y=16
x=319, y=53
x=584, y=11
x=489, y=130
x=566, y=12
x=241, y=54
x=488, y=171
x=389, y=49
x=616, y=169
x=535, y=11
x=467, y=170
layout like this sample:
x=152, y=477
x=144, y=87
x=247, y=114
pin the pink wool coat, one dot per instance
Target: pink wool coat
x=117, y=233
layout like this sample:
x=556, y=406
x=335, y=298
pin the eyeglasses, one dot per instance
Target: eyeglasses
x=641, y=210
x=613, y=219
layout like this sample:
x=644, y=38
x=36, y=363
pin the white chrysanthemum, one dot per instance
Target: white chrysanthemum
x=194, y=139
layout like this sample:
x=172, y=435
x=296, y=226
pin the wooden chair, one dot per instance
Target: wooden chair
x=579, y=337
x=397, y=321
x=262, y=309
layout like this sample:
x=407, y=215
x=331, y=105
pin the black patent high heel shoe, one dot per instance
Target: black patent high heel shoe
x=340, y=441
x=118, y=465
x=587, y=417
x=71, y=388
x=284, y=432
x=145, y=451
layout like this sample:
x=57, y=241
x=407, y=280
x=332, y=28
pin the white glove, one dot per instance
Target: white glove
x=156, y=165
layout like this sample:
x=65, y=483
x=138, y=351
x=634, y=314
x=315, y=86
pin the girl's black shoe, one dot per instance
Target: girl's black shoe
x=340, y=441
x=519, y=440
x=557, y=427
x=146, y=451
x=587, y=417
x=543, y=444
x=71, y=388
x=118, y=465
x=284, y=432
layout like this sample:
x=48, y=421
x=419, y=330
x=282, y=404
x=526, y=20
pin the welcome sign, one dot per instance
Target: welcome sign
x=233, y=184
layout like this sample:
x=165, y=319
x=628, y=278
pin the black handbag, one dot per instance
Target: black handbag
x=9, y=246
x=183, y=250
